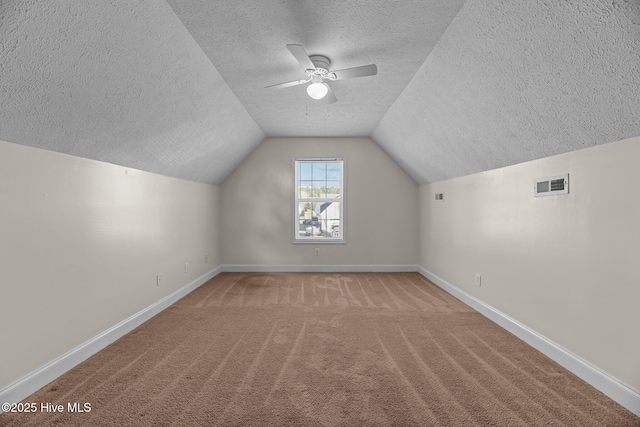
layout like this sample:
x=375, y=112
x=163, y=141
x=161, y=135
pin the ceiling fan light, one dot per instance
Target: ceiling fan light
x=317, y=90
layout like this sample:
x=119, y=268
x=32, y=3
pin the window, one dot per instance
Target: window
x=319, y=201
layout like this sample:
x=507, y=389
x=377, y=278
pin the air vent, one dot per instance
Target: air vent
x=551, y=186
x=440, y=197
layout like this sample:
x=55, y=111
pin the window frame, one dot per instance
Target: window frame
x=296, y=239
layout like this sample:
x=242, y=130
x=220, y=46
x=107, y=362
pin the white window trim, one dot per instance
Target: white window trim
x=311, y=240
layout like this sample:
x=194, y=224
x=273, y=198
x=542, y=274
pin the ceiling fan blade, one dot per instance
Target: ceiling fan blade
x=330, y=97
x=350, y=73
x=301, y=55
x=288, y=84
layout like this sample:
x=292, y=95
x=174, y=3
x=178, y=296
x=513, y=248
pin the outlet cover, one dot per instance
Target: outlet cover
x=478, y=280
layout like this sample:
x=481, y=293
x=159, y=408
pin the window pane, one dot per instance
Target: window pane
x=305, y=189
x=319, y=189
x=333, y=189
x=330, y=219
x=319, y=220
x=334, y=229
x=319, y=171
x=308, y=221
x=333, y=171
x=304, y=172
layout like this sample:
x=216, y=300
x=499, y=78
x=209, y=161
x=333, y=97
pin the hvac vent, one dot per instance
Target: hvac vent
x=440, y=197
x=551, y=186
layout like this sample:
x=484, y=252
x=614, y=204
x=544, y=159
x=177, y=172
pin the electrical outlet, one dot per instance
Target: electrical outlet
x=478, y=280
x=186, y=267
x=158, y=279
x=316, y=251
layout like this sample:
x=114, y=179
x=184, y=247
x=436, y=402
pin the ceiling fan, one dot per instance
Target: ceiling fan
x=317, y=69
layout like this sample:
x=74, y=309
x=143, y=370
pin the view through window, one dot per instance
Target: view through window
x=319, y=200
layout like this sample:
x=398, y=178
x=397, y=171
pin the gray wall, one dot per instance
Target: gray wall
x=257, y=207
x=81, y=242
x=566, y=266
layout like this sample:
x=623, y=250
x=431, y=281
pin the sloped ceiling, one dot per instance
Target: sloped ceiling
x=177, y=88
x=512, y=81
x=121, y=82
x=246, y=40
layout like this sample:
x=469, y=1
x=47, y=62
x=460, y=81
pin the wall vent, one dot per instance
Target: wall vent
x=551, y=186
x=440, y=197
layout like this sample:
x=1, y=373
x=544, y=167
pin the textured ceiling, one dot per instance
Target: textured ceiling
x=177, y=88
x=512, y=81
x=121, y=82
x=246, y=40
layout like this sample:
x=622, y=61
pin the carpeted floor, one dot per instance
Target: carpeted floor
x=319, y=349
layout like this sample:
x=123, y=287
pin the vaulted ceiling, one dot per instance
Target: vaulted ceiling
x=177, y=87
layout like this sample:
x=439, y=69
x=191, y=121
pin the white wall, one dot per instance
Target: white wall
x=81, y=243
x=257, y=207
x=566, y=266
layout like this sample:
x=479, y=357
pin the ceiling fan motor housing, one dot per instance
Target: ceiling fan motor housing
x=322, y=63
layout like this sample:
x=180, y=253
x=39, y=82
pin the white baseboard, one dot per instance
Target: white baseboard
x=318, y=268
x=31, y=383
x=610, y=386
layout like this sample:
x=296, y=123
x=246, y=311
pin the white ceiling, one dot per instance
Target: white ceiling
x=177, y=88
x=121, y=82
x=512, y=81
x=246, y=39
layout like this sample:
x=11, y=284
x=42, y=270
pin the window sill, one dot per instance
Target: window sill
x=319, y=242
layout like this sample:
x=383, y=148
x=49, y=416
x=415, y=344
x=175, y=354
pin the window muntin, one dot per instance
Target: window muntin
x=319, y=200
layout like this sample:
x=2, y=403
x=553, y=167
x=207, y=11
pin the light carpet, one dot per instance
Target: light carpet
x=315, y=349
